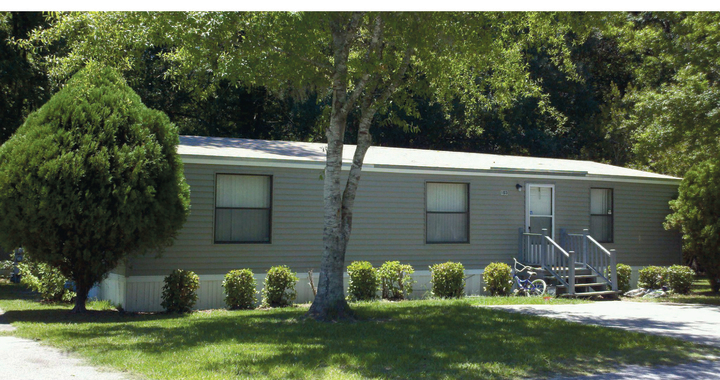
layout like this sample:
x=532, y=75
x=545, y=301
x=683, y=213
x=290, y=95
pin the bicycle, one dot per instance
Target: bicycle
x=535, y=287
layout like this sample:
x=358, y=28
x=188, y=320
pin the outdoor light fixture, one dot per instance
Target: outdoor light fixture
x=518, y=187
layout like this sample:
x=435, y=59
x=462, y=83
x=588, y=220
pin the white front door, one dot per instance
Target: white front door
x=540, y=209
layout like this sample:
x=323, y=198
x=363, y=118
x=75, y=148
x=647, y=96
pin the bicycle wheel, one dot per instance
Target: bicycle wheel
x=538, y=288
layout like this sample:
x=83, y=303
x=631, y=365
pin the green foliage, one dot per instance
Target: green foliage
x=695, y=214
x=90, y=177
x=24, y=85
x=279, y=289
x=498, y=279
x=240, y=289
x=364, y=282
x=652, y=277
x=180, y=291
x=674, y=102
x=448, y=280
x=624, y=272
x=44, y=279
x=680, y=278
x=396, y=280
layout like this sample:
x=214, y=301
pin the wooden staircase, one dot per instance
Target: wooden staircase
x=581, y=267
x=587, y=284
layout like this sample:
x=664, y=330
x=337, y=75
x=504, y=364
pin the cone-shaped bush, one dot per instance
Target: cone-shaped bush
x=91, y=177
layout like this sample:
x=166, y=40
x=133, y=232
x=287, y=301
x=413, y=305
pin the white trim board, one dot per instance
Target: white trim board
x=320, y=165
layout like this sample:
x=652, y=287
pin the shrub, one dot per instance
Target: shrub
x=363, y=282
x=180, y=291
x=448, y=280
x=624, y=272
x=651, y=277
x=45, y=279
x=498, y=279
x=240, y=289
x=396, y=280
x=279, y=289
x=680, y=278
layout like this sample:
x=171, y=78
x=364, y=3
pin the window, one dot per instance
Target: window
x=447, y=213
x=601, y=215
x=242, y=208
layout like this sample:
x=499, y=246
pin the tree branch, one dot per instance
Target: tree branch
x=324, y=66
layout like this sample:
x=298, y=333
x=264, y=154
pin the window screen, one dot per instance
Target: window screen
x=447, y=213
x=242, y=208
x=601, y=215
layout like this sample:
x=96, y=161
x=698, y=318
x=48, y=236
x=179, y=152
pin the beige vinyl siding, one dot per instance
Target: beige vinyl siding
x=389, y=222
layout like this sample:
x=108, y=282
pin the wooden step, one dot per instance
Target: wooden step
x=585, y=285
x=591, y=294
x=576, y=276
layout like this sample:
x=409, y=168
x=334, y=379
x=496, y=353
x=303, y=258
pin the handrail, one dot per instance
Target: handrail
x=594, y=256
x=598, y=245
x=562, y=267
x=557, y=245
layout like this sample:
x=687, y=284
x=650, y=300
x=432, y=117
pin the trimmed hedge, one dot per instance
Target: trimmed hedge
x=651, y=277
x=448, y=280
x=498, y=279
x=279, y=289
x=364, y=282
x=240, y=289
x=680, y=278
x=624, y=272
x=396, y=280
x=180, y=291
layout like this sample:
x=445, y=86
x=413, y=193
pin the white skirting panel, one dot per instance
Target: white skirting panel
x=143, y=293
x=113, y=289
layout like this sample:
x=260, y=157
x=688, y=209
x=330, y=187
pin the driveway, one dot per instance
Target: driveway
x=692, y=322
x=29, y=360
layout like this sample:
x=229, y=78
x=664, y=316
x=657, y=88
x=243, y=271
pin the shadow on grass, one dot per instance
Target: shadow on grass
x=441, y=339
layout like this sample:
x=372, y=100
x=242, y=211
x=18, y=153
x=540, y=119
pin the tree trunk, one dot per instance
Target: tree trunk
x=329, y=303
x=82, y=289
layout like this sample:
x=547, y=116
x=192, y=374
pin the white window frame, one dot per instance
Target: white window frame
x=528, y=190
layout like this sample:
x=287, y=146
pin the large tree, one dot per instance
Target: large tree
x=673, y=110
x=365, y=62
x=91, y=177
x=696, y=213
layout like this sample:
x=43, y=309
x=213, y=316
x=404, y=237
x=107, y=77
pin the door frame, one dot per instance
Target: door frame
x=528, y=187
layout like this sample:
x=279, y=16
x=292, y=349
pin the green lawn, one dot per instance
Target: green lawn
x=415, y=339
x=700, y=293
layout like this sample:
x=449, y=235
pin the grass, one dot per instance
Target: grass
x=429, y=339
x=700, y=293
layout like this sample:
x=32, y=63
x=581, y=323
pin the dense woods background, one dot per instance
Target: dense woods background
x=645, y=96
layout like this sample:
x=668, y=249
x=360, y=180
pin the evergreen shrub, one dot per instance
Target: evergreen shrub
x=448, y=280
x=498, y=279
x=624, y=272
x=680, y=278
x=279, y=289
x=396, y=280
x=652, y=277
x=363, y=284
x=180, y=291
x=240, y=289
